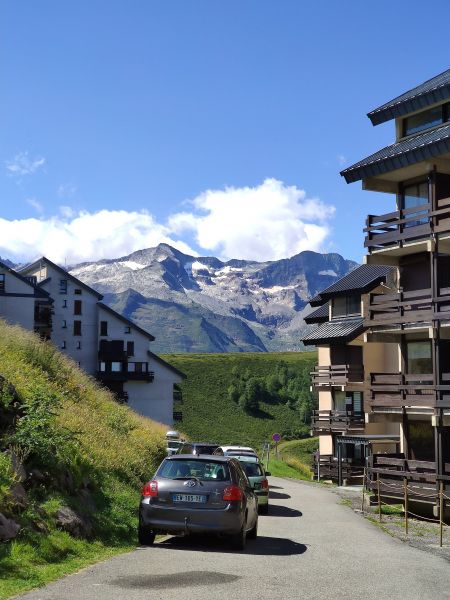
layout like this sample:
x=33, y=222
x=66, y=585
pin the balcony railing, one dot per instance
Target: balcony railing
x=392, y=472
x=338, y=375
x=405, y=308
x=177, y=415
x=337, y=420
x=395, y=390
x=406, y=225
x=112, y=355
x=125, y=376
x=327, y=467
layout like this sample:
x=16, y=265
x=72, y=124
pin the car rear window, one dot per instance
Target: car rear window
x=204, y=449
x=200, y=469
x=252, y=469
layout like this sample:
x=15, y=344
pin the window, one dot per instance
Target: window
x=127, y=329
x=63, y=286
x=348, y=401
x=415, y=196
x=419, y=359
x=103, y=327
x=116, y=367
x=137, y=367
x=344, y=306
x=77, y=291
x=63, y=345
x=102, y=367
x=77, y=328
x=2, y=282
x=64, y=304
x=64, y=324
x=425, y=120
x=78, y=345
x=77, y=307
x=130, y=348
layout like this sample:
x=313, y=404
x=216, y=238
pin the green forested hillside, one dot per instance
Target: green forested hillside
x=80, y=458
x=210, y=412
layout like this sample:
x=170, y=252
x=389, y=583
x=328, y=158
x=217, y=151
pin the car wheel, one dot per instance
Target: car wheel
x=146, y=536
x=253, y=533
x=239, y=539
x=263, y=509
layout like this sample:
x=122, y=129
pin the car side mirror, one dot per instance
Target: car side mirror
x=268, y=473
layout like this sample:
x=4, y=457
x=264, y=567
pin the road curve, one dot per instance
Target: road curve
x=309, y=546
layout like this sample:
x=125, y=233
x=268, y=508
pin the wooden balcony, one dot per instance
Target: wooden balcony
x=117, y=376
x=327, y=421
x=395, y=390
x=407, y=225
x=326, y=466
x=392, y=471
x=337, y=375
x=407, y=308
x=177, y=415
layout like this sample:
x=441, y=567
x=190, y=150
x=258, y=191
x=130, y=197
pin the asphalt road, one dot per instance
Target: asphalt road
x=308, y=547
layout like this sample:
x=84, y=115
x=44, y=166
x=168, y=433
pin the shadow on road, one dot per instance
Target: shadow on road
x=276, y=510
x=262, y=546
x=275, y=487
x=173, y=580
x=278, y=495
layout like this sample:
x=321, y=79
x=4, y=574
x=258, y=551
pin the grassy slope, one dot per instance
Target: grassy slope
x=102, y=445
x=208, y=414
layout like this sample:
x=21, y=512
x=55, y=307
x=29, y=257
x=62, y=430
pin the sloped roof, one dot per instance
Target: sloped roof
x=319, y=315
x=430, y=92
x=166, y=364
x=125, y=320
x=44, y=259
x=336, y=330
x=361, y=280
x=38, y=292
x=404, y=153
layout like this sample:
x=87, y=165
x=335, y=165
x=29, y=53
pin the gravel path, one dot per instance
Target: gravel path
x=309, y=547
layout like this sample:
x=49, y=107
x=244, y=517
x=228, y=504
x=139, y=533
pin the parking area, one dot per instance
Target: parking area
x=308, y=546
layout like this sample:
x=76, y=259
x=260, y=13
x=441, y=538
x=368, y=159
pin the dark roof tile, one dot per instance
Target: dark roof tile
x=319, y=315
x=408, y=151
x=430, y=92
x=336, y=330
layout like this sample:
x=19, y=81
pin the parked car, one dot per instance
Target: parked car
x=258, y=479
x=198, y=448
x=174, y=442
x=199, y=494
x=226, y=449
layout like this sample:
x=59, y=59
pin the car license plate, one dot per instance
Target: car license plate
x=189, y=498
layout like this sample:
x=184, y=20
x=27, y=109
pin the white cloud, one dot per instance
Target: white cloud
x=83, y=236
x=266, y=222
x=34, y=203
x=22, y=164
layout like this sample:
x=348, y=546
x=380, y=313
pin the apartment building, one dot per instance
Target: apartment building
x=404, y=314
x=23, y=303
x=102, y=342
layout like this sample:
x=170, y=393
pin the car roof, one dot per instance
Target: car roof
x=202, y=444
x=215, y=457
x=243, y=448
x=246, y=458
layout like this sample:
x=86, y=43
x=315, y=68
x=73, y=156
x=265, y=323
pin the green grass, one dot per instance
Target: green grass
x=208, y=413
x=71, y=429
x=295, y=458
x=279, y=468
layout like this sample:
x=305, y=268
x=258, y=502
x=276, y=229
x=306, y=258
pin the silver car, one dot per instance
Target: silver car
x=199, y=494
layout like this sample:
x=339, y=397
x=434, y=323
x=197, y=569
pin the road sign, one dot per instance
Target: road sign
x=276, y=437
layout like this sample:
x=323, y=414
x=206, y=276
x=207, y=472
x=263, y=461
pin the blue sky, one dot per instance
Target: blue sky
x=218, y=126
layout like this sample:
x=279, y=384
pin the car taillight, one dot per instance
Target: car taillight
x=265, y=484
x=150, y=489
x=232, y=493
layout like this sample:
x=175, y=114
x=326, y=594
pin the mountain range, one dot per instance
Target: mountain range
x=203, y=304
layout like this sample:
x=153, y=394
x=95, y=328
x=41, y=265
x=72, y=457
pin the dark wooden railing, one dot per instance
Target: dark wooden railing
x=336, y=420
x=393, y=471
x=399, y=389
x=400, y=308
x=177, y=415
x=327, y=467
x=178, y=396
x=337, y=375
x=406, y=225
